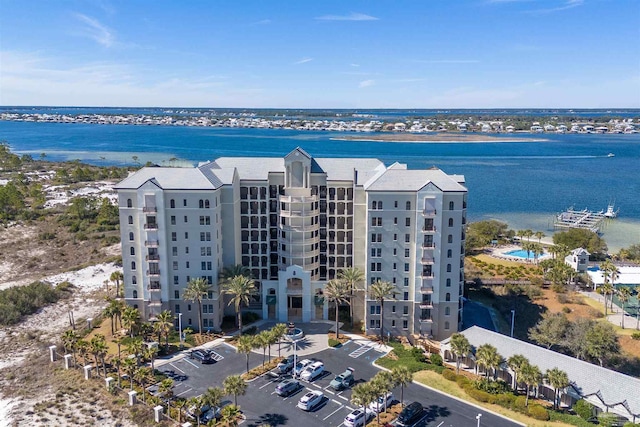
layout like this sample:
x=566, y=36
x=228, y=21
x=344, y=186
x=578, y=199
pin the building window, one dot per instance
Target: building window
x=129, y=203
x=407, y=238
x=406, y=281
x=395, y=267
x=172, y=203
x=173, y=220
x=448, y=282
x=132, y=250
x=374, y=324
x=134, y=280
x=186, y=235
x=451, y=206
x=375, y=252
x=447, y=297
x=174, y=236
x=395, y=204
x=446, y=325
x=174, y=250
x=448, y=268
x=407, y=222
x=176, y=294
x=395, y=220
x=407, y=253
x=406, y=266
x=187, y=264
x=186, y=219
x=450, y=238
x=133, y=265
x=450, y=222
x=395, y=237
x=405, y=296
x=405, y=324
x=130, y=219
x=175, y=280
x=449, y=253
x=405, y=310
x=184, y=202
x=131, y=235
x=177, y=308
x=175, y=265
x=393, y=308
x=205, y=220
x=135, y=294
x=374, y=309
x=376, y=221
x=393, y=323
x=206, y=204
x=447, y=311
x=408, y=206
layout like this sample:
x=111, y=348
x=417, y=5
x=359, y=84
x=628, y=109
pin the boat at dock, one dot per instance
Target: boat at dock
x=611, y=213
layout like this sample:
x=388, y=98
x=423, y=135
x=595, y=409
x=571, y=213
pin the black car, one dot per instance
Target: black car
x=410, y=414
x=201, y=355
x=287, y=387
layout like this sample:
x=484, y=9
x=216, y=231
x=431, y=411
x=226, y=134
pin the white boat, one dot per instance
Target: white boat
x=610, y=155
x=610, y=213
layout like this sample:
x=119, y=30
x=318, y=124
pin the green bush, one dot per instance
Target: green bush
x=493, y=387
x=583, y=408
x=566, y=309
x=448, y=374
x=24, y=300
x=435, y=359
x=333, y=342
x=463, y=381
x=630, y=424
x=635, y=335
x=520, y=402
x=538, y=412
x=506, y=400
x=568, y=419
x=479, y=395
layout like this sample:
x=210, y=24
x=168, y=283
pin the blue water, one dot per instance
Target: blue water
x=523, y=183
x=521, y=253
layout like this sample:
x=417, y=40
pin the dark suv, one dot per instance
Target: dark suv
x=201, y=355
x=410, y=415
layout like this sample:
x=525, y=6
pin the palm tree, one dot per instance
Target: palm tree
x=129, y=367
x=70, y=342
x=98, y=347
x=382, y=382
x=363, y=394
x=515, y=363
x=197, y=289
x=242, y=289
x=164, y=324
x=263, y=340
x=487, y=356
x=337, y=292
x=279, y=331
x=531, y=377
x=244, y=345
x=110, y=313
x=230, y=414
x=609, y=271
x=402, y=376
x=353, y=277
x=213, y=396
x=130, y=318
x=117, y=361
x=83, y=350
x=606, y=289
x=461, y=347
x=273, y=339
x=141, y=375
x=624, y=294
x=196, y=403
x=116, y=277
x=165, y=390
x=135, y=348
x=539, y=235
x=229, y=273
x=150, y=353
x=558, y=380
x=380, y=291
x=235, y=385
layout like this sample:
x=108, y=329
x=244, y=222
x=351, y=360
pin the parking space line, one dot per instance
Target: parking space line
x=440, y=424
x=360, y=351
x=186, y=391
x=316, y=385
x=191, y=363
x=270, y=382
x=217, y=357
x=325, y=418
x=335, y=401
x=342, y=397
x=349, y=408
x=177, y=368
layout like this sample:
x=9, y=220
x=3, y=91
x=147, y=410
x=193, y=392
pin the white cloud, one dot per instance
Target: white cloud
x=96, y=31
x=350, y=17
x=303, y=61
x=366, y=83
x=355, y=65
x=564, y=5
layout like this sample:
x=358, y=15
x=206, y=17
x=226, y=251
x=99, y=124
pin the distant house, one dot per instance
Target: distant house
x=578, y=259
x=608, y=390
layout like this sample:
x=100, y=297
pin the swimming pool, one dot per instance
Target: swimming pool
x=521, y=253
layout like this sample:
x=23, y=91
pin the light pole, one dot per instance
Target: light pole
x=180, y=328
x=513, y=317
x=478, y=418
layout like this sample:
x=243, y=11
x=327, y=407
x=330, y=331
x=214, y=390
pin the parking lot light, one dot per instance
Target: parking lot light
x=478, y=418
x=180, y=328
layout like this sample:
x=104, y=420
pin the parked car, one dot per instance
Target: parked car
x=312, y=371
x=202, y=356
x=381, y=404
x=191, y=411
x=409, y=414
x=310, y=400
x=357, y=418
x=287, y=387
x=211, y=414
x=301, y=365
x=343, y=380
x=285, y=365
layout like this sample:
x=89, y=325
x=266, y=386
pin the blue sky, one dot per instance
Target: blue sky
x=324, y=54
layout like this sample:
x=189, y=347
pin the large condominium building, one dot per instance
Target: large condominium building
x=296, y=222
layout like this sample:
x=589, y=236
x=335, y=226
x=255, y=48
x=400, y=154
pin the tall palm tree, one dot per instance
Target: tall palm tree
x=229, y=273
x=353, y=277
x=142, y=376
x=129, y=367
x=241, y=289
x=230, y=414
x=236, y=386
x=197, y=289
x=363, y=394
x=213, y=396
x=460, y=347
x=116, y=277
x=70, y=342
x=609, y=271
x=83, y=349
x=487, y=356
x=165, y=390
x=606, y=289
x=402, y=376
x=109, y=312
x=263, y=340
x=531, y=377
x=279, y=331
x=135, y=348
x=164, y=324
x=539, y=235
x=382, y=382
x=337, y=292
x=380, y=291
x=117, y=361
x=98, y=347
x=196, y=404
x=558, y=380
x=515, y=363
x=130, y=319
x=150, y=353
x=244, y=345
x=624, y=294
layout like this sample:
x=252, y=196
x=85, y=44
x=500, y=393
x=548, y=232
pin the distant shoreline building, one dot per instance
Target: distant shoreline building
x=296, y=222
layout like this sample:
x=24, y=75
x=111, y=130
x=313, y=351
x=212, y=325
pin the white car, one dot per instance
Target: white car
x=300, y=366
x=382, y=403
x=312, y=371
x=357, y=418
x=310, y=400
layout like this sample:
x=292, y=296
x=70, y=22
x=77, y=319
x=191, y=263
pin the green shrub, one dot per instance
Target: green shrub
x=566, y=309
x=435, y=359
x=630, y=424
x=333, y=342
x=583, y=408
x=23, y=300
x=463, y=381
x=505, y=400
x=492, y=387
x=448, y=374
x=538, y=412
x=568, y=419
x=635, y=335
x=520, y=403
x=479, y=395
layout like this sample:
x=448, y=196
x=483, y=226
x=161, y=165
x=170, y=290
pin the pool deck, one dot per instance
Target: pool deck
x=501, y=253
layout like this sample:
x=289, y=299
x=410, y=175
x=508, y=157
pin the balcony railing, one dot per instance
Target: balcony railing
x=154, y=289
x=426, y=304
x=429, y=212
x=151, y=243
x=427, y=260
x=428, y=245
x=429, y=229
x=153, y=273
x=154, y=257
x=427, y=275
x=149, y=209
x=426, y=289
x=151, y=226
x=426, y=320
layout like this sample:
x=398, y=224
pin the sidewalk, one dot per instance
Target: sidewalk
x=615, y=317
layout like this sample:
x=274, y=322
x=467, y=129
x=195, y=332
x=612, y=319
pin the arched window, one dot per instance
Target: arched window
x=172, y=203
x=134, y=280
x=131, y=235
x=451, y=206
x=129, y=203
x=449, y=253
x=447, y=297
x=408, y=206
x=447, y=311
x=201, y=204
x=446, y=325
x=450, y=222
x=133, y=265
x=130, y=219
x=448, y=282
x=135, y=295
x=448, y=268
x=206, y=204
x=450, y=238
x=132, y=250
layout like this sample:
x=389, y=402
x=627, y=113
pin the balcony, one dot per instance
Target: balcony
x=429, y=212
x=151, y=243
x=149, y=209
x=427, y=260
x=426, y=320
x=427, y=275
x=429, y=229
x=428, y=245
x=151, y=226
x=426, y=304
x=155, y=303
x=154, y=289
x=426, y=289
x=153, y=273
x=300, y=213
x=154, y=257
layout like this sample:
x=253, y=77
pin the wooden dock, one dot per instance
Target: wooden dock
x=585, y=219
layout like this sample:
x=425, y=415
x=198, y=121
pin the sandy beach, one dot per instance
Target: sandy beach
x=439, y=138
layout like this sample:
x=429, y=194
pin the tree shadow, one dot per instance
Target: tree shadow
x=434, y=412
x=270, y=419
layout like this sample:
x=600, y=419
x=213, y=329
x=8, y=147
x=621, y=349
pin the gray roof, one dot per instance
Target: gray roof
x=596, y=383
x=397, y=178
x=252, y=168
x=169, y=179
x=343, y=169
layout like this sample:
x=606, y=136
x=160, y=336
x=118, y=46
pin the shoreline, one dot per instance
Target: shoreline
x=448, y=138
